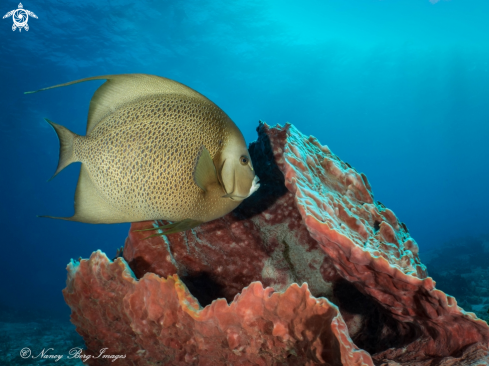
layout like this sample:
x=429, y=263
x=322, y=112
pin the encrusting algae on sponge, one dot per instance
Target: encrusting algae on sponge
x=155, y=149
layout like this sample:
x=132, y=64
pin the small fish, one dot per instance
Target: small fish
x=155, y=150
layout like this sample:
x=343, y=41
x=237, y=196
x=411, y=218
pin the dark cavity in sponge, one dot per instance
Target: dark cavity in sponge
x=203, y=287
x=272, y=181
x=380, y=331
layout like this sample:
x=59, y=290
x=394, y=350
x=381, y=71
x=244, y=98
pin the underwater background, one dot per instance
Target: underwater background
x=397, y=88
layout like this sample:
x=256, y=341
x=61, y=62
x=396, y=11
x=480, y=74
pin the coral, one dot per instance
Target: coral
x=226, y=292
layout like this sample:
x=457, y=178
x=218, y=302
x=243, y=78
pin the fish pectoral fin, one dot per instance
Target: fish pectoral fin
x=204, y=173
x=233, y=197
x=175, y=227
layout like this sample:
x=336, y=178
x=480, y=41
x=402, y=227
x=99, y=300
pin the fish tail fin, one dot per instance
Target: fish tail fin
x=66, y=138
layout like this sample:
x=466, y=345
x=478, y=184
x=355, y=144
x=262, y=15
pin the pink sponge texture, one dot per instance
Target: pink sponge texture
x=155, y=320
x=226, y=292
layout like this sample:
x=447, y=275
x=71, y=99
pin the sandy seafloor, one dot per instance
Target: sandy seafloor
x=54, y=336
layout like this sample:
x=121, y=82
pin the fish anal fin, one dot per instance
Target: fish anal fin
x=90, y=206
x=204, y=173
x=55, y=217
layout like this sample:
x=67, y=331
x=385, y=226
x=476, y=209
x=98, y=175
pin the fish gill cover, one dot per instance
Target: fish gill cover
x=398, y=89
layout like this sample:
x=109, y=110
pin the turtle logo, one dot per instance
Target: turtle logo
x=20, y=17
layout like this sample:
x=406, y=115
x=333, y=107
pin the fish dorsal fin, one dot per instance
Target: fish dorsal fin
x=122, y=89
x=204, y=172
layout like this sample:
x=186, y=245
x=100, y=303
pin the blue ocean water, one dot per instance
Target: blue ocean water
x=398, y=88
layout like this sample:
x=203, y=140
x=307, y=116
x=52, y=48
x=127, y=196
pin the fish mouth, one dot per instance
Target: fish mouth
x=254, y=187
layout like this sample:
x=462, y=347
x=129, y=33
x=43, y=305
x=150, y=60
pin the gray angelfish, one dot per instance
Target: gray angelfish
x=155, y=149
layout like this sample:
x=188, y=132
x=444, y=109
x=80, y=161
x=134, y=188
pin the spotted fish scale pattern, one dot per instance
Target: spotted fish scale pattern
x=142, y=156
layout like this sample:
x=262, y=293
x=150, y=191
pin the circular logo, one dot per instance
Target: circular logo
x=20, y=18
x=25, y=352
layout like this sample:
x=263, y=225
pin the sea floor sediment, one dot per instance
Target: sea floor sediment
x=42, y=342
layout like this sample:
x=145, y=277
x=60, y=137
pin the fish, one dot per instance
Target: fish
x=155, y=149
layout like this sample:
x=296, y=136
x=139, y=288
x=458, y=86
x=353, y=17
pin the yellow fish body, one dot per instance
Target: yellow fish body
x=155, y=149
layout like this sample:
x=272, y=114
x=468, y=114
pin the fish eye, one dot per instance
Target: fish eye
x=243, y=160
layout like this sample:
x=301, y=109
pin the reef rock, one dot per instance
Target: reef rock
x=227, y=292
